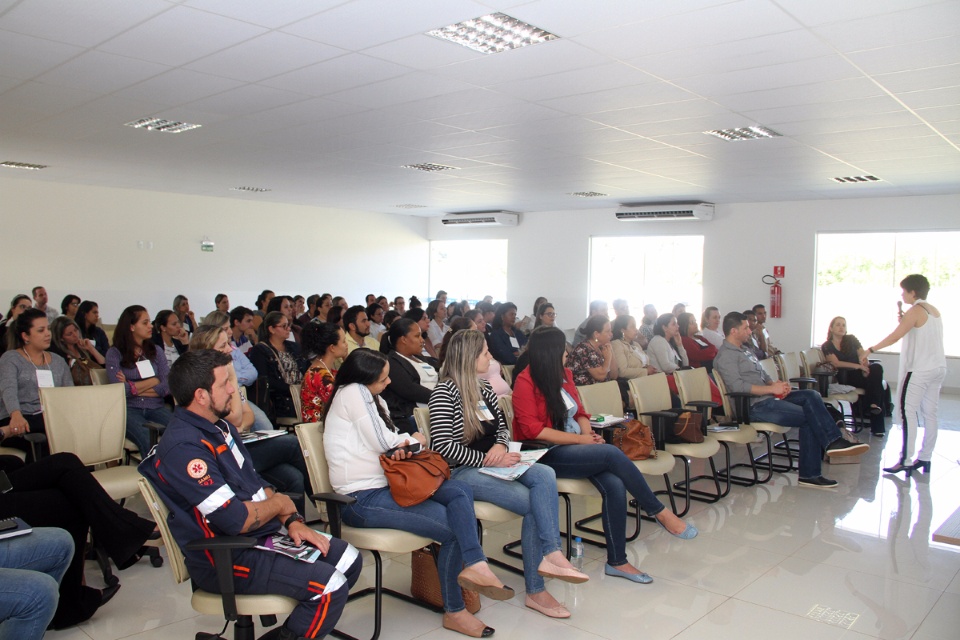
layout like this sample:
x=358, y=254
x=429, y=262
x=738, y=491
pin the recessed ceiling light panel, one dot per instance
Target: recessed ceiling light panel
x=744, y=133
x=428, y=166
x=159, y=124
x=492, y=33
x=588, y=194
x=857, y=179
x=10, y=164
x=410, y=206
x=251, y=189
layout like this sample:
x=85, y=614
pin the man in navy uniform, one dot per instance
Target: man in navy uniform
x=207, y=480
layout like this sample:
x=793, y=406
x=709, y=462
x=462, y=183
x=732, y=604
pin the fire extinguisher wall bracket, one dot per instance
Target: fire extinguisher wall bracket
x=776, y=296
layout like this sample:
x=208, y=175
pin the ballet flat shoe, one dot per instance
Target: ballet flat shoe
x=449, y=624
x=491, y=591
x=640, y=578
x=558, y=611
x=549, y=570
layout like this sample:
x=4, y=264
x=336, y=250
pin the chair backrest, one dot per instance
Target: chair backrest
x=650, y=393
x=791, y=365
x=602, y=397
x=506, y=407
x=770, y=366
x=87, y=421
x=693, y=385
x=811, y=358
x=297, y=401
x=310, y=435
x=728, y=411
x=506, y=372
x=421, y=415
x=160, y=512
x=99, y=376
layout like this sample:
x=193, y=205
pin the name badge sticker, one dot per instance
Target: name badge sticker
x=44, y=378
x=568, y=401
x=514, y=342
x=483, y=412
x=145, y=367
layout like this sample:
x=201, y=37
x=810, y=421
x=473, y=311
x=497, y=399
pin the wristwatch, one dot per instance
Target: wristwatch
x=296, y=517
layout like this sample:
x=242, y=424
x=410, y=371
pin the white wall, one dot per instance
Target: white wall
x=549, y=254
x=83, y=240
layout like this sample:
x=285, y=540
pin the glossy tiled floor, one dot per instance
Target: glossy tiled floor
x=775, y=561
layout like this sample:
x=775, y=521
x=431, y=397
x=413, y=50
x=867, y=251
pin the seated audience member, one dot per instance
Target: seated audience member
x=246, y=373
x=324, y=345
x=261, y=304
x=40, y=300
x=388, y=319
x=487, y=300
x=284, y=304
x=411, y=377
x=442, y=297
x=217, y=318
x=646, y=324
x=80, y=354
x=222, y=303
x=763, y=336
x=597, y=308
x=419, y=316
x=369, y=299
x=476, y=317
x=383, y=303
x=679, y=308
x=777, y=403
x=335, y=315
x=278, y=366
x=631, y=360
x=88, y=317
x=546, y=316
x=69, y=306
x=456, y=324
x=357, y=431
x=487, y=312
x=592, y=360
x=18, y=305
x=169, y=335
x=23, y=368
x=547, y=407
x=59, y=491
x=710, y=326
x=299, y=308
x=400, y=305
x=31, y=568
x=135, y=361
x=666, y=350
x=700, y=352
x=375, y=316
x=277, y=459
x=505, y=340
x=529, y=322
x=437, y=314
x=452, y=311
x=621, y=307
x=357, y=326
x=181, y=306
x=468, y=429
x=340, y=301
x=201, y=385
x=324, y=304
x=845, y=352
x=493, y=374
x=756, y=337
x=311, y=311
x=415, y=303
x=243, y=337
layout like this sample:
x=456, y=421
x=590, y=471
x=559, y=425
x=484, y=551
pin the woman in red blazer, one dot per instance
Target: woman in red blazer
x=547, y=408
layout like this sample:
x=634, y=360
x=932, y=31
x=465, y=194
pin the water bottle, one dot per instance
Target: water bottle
x=576, y=555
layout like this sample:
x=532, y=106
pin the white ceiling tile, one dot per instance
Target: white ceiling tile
x=796, y=113
x=413, y=86
x=245, y=100
x=818, y=12
x=180, y=35
x=8, y=83
x=85, y=23
x=459, y=102
x=920, y=79
x=178, y=86
x=906, y=57
x=86, y=72
x=26, y=57
x=268, y=55
x=621, y=98
x=273, y=14
x=630, y=118
x=832, y=91
x=802, y=72
x=338, y=74
x=422, y=52
x=567, y=19
x=949, y=96
x=939, y=114
x=913, y=25
x=861, y=122
x=574, y=82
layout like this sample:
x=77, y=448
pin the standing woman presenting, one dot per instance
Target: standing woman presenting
x=923, y=366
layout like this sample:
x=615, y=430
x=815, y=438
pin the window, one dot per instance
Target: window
x=658, y=270
x=469, y=269
x=859, y=274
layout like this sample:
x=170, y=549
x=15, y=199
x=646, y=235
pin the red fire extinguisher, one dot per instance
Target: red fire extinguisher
x=776, y=296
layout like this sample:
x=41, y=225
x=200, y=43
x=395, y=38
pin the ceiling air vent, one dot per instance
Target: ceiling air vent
x=482, y=219
x=682, y=211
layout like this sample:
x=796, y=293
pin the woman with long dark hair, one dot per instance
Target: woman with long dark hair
x=505, y=340
x=170, y=336
x=666, y=350
x=357, y=430
x=88, y=317
x=81, y=354
x=69, y=305
x=413, y=378
x=278, y=364
x=436, y=313
x=468, y=429
x=135, y=361
x=418, y=315
x=324, y=345
x=547, y=407
x=18, y=305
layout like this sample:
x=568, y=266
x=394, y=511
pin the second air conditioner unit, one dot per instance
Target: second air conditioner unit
x=482, y=219
x=682, y=211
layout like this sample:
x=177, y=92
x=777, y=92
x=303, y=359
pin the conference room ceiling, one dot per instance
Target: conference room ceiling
x=324, y=101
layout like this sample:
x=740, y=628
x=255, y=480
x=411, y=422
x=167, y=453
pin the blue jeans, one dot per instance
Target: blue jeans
x=31, y=568
x=447, y=517
x=613, y=474
x=279, y=461
x=533, y=496
x=139, y=434
x=260, y=420
x=802, y=409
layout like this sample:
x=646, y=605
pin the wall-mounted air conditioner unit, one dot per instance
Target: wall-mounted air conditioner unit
x=482, y=219
x=683, y=211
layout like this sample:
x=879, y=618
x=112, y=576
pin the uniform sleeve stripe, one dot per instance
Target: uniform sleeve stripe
x=216, y=500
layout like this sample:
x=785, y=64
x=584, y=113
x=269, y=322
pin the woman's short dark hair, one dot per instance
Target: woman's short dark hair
x=389, y=317
x=271, y=320
x=85, y=307
x=918, y=284
x=123, y=337
x=662, y=321
x=545, y=351
x=619, y=325
x=415, y=314
x=415, y=303
x=397, y=330
x=195, y=370
x=317, y=337
x=335, y=313
x=542, y=309
x=501, y=310
x=372, y=309
x=23, y=324
x=684, y=321
x=432, y=308
x=362, y=366
x=161, y=319
x=16, y=299
x=595, y=324
x=473, y=314
x=276, y=303
x=67, y=300
x=262, y=298
x=217, y=299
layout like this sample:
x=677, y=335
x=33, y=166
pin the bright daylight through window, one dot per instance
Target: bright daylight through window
x=859, y=274
x=658, y=270
x=469, y=269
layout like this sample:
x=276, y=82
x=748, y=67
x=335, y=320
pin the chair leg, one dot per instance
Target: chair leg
x=783, y=449
x=746, y=481
x=672, y=497
x=511, y=553
x=706, y=496
x=581, y=524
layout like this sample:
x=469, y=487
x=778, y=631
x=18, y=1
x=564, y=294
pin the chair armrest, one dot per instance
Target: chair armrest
x=156, y=430
x=742, y=394
x=741, y=405
x=334, y=502
x=661, y=419
x=336, y=498
x=703, y=407
x=803, y=379
x=703, y=404
x=221, y=549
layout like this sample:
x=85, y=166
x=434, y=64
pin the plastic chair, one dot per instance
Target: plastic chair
x=238, y=609
x=506, y=372
x=99, y=376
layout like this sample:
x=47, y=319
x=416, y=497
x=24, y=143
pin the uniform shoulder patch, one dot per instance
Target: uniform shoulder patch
x=197, y=468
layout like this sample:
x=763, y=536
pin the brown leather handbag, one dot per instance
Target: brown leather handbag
x=635, y=439
x=416, y=478
x=425, y=580
x=687, y=428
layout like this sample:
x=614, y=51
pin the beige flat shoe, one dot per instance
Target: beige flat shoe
x=480, y=631
x=493, y=591
x=549, y=570
x=558, y=611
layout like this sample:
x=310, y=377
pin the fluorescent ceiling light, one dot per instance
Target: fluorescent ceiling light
x=428, y=166
x=857, y=179
x=159, y=124
x=587, y=194
x=492, y=33
x=744, y=133
x=251, y=189
x=22, y=165
x=410, y=206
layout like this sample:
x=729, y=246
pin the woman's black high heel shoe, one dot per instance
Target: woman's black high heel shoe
x=900, y=466
x=923, y=465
